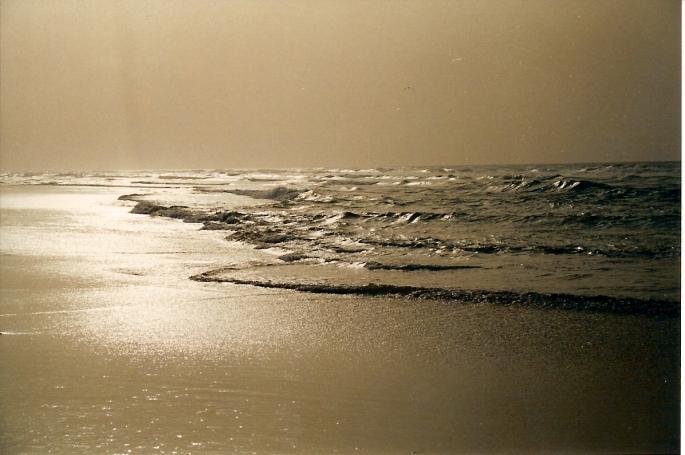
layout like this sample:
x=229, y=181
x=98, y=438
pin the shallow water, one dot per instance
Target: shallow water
x=108, y=347
x=593, y=230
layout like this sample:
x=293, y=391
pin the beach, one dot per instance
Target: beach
x=107, y=346
x=340, y=227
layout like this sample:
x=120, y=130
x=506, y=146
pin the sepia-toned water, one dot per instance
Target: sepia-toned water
x=441, y=310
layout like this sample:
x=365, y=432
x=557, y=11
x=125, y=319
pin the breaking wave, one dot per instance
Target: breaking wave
x=549, y=185
x=613, y=228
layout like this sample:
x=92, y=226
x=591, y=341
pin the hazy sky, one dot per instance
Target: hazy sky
x=207, y=83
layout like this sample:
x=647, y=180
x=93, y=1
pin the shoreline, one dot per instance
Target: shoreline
x=227, y=220
x=126, y=353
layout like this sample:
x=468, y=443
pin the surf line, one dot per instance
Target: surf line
x=594, y=303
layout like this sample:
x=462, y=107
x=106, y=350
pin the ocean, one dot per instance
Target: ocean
x=587, y=231
x=479, y=309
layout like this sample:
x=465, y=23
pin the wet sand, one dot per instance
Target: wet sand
x=108, y=347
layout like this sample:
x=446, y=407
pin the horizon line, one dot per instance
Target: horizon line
x=356, y=168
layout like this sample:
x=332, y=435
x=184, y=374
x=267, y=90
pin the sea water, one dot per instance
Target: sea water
x=419, y=331
x=588, y=230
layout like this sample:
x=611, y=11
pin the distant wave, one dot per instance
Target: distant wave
x=263, y=179
x=313, y=196
x=279, y=193
x=350, y=182
x=104, y=185
x=406, y=217
x=550, y=184
x=182, y=177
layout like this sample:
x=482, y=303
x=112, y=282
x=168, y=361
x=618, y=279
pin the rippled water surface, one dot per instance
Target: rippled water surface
x=609, y=230
x=108, y=346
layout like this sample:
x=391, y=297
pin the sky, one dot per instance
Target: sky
x=103, y=84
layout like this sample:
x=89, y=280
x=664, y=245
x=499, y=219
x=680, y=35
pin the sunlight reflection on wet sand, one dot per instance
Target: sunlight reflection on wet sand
x=121, y=352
